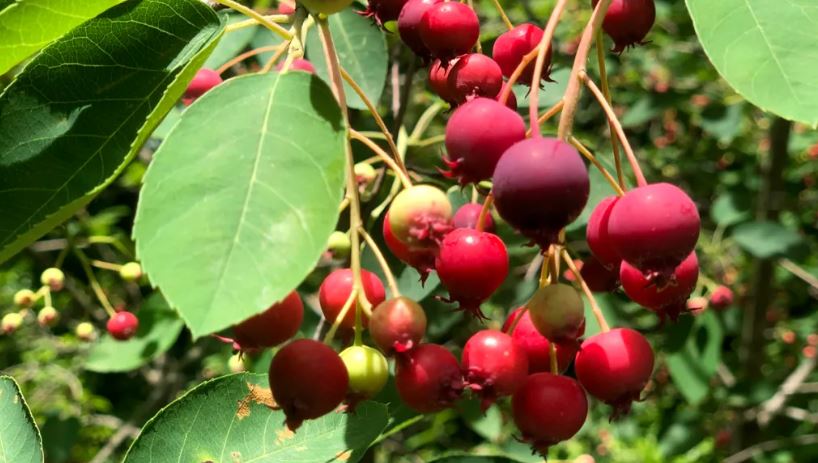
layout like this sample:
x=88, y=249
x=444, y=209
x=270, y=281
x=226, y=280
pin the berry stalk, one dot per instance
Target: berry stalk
x=503, y=14
x=603, y=78
x=542, y=49
x=552, y=355
x=481, y=219
x=248, y=54
x=390, y=277
x=548, y=114
x=382, y=155
x=600, y=317
x=95, y=286
x=259, y=18
x=590, y=156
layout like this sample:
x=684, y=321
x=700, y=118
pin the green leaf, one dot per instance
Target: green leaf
x=264, y=38
x=723, y=122
x=411, y=287
x=26, y=26
x=766, y=239
x=692, y=366
x=159, y=326
x=232, y=43
x=550, y=92
x=241, y=197
x=20, y=440
x=361, y=50
x=488, y=424
x=228, y=419
x=765, y=49
x=83, y=107
x=727, y=210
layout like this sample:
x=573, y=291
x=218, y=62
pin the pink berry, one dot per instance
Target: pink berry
x=614, y=367
x=449, y=29
x=627, y=22
x=474, y=75
x=335, y=291
x=204, y=80
x=654, y=227
x=540, y=186
x=596, y=234
x=536, y=346
x=382, y=11
x=467, y=216
x=558, y=313
x=668, y=300
x=123, y=325
x=439, y=80
x=409, y=25
x=397, y=325
x=721, y=298
x=308, y=380
x=493, y=365
x=273, y=326
x=471, y=265
x=549, y=409
x=423, y=260
x=428, y=378
x=298, y=64
x=477, y=135
x=511, y=46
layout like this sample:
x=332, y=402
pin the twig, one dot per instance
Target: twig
x=542, y=49
x=261, y=19
x=774, y=404
x=800, y=272
x=757, y=449
x=588, y=155
x=390, y=277
x=600, y=317
x=404, y=178
x=256, y=51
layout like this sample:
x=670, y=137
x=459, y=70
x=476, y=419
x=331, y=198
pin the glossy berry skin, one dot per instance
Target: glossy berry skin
x=536, y=346
x=439, y=80
x=668, y=300
x=599, y=278
x=420, y=216
x=449, y=29
x=273, y=326
x=336, y=288
x=493, y=365
x=308, y=380
x=654, y=227
x=409, y=25
x=614, y=367
x=123, y=325
x=596, y=234
x=367, y=370
x=558, y=313
x=467, y=216
x=471, y=265
x=540, y=186
x=511, y=46
x=325, y=6
x=382, y=11
x=721, y=298
x=397, y=325
x=627, y=22
x=202, y=82
x=428, y=378
x=423, y=260
x=477, y=135
x=549, y=409
x=474, y=75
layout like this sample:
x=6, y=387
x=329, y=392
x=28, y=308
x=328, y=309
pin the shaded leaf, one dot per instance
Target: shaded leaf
x=692, y=366
x=727, y=210
x=766, y=239
x=232, y=43
x=19, y=437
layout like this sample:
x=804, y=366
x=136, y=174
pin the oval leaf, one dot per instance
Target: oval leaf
x=765, y=49
x=83, y=107
x=228, y=419
x=766, y=239
x=26, y=26
x=242, y=196
x=19, y=437
x=361, y=48
x=159, y=326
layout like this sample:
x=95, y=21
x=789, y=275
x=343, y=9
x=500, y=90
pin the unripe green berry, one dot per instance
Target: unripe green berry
x=54, y=278
x=10, y=322
x=48, y=316
x=339, y=245
x=24, y=298
x=236, y=364
x=131, y=271
x=420, y=216
x=367, y=370
x=85, y=331
x=558, y=313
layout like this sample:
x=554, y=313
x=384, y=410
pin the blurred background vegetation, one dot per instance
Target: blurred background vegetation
x=731, y=385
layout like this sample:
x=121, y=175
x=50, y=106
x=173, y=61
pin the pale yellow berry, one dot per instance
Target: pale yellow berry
x=24, y=298
x=54, y=278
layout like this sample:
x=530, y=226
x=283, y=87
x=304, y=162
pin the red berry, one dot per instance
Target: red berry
x=409, y=25
x=654, y=227
x=204, y=80
x=428, y=378
x=540, y=186
x=423, y=260
x=668, y=300
x=477, y=135
x=721, y=298
x=397, y=325
x=273, y=326
x=420, y=216
x=474, y=75
x=536, y=346
x=439, y=80
x=493, y=365
x=511, y=101
x=558, y=313
x=123, y=325
x=596, y=233
x=471, y=265
x=449, y=29
x=383, y=10
x=298, y=64
x=599, y=278
x=286, y=8
x=335, y=291
x=467, y=216
x=549, y=409
x=511, y=46
x=614, y=367
x=308, y=380
x=627, y=22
